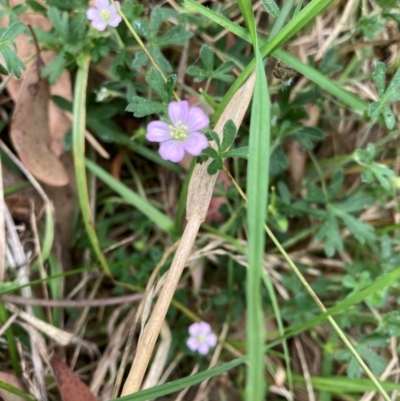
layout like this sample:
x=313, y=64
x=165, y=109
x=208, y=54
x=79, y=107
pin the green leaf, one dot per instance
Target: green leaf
x=367, y=175
x=12, y=62
x=375, y=109
x=365, y=156
x=3, y=71
x=12, y=32
x=376, y=362
x=156, y=18
x=207, y=58
x=237, y=152
x=210, y=152
x=307, y=136
x=64, y=4
x=170, y=86
x=356, y=202
x=35, y=6
x=177, y=36
x=362, y=231
x=284, y=192
x=214, y=137
x=335, y=184
x=271, y=7
x=391, y=323
x=383, y=174
x=206, y=72
x=228, y=135
x=222, y=71
x=392, y=93
x=379, y=77
x=330, y=231
x=160, y=59
x=140, y=59
x=59, y=21
x=141, y=107
x=388, y=116
x=370, y=25
x=199, y=73
x=55, y=68
x=278, y=161
x=215, y=166
x=353, y=370
x=388, y=3
x=315, y=194
x=156, y=82
x=77, y=28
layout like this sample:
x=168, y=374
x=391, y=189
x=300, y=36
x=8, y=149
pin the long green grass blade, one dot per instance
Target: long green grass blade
x=11, y=342
x=257, y=197
x=78, y=139
x=158, y=218
x=14, y=390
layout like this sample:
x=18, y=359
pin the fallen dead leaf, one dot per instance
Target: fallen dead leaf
x=59, y=123
x=30, y=132
x=72, y=388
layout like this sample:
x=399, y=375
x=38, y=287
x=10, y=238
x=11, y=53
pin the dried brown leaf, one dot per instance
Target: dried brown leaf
x=72, y=388
x=30, y=132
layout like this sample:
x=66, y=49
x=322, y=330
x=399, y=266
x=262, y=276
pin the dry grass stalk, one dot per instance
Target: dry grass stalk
x=200, y=192
x=20, y=263
x=2, y=232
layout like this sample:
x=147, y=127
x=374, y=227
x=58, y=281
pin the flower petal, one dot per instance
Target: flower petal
x=178, y=112
x=194, y=144
x=99, y=24
x=172, y=150
x=195, y=329
x=158, y=131
x=211, y=340
x=203, y=348
x=197, y=119
x=102, y=4
x=92, y=14
x=114, y=20
x=192, y=343
x=205, y=328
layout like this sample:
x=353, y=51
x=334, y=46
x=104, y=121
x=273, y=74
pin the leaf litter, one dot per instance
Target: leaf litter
x=30, y=131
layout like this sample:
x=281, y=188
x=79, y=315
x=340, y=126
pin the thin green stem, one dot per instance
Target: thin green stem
x=141, y=44
x=330, y=319
x=137, y=38
x=121, y=44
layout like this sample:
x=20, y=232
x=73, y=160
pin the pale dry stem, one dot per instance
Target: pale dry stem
x=200, y=192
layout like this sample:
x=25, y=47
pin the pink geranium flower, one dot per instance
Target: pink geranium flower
x=183, y=132
x=103, y=14
x=201, y=339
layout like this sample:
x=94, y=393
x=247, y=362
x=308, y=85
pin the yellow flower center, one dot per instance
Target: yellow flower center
x=201, y=338
x=105, y=14
x=179, y=131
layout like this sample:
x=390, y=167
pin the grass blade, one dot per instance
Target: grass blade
x=158, y=218
x=78, y=139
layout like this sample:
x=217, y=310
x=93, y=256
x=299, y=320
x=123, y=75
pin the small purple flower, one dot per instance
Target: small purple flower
x=183, y=134
x=201, y=339
x=104, y=14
